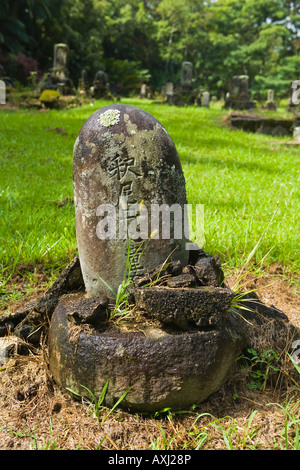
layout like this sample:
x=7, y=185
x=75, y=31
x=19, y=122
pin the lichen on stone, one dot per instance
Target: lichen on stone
x=110, y=117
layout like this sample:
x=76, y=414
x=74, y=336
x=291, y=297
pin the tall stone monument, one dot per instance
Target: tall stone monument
x=60, y=61
x=185, y=93
x=58, y=78
x=186, y=76
x=239, y=96
x=59, y=73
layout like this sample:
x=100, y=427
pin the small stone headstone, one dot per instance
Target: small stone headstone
x=143, y=92
x=100, y=87
x=170, y=95
x=270, y=95
x=239, y=96
x=2, y=92
x=271, y=105
x=169, y=89
x=205, y=99
x=125, y=170
x=296, y=134
x=83, y=83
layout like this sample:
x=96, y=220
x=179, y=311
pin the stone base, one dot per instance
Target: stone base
x=262, y=124
x=161, y=366
x=239, y=104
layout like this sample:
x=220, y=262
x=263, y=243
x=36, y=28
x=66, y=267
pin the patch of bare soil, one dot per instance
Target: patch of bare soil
x=36, y=414
x=273, y=288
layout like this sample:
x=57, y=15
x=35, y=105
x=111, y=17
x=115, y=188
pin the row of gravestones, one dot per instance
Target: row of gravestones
x=58, y=78
x=186, y=92
x=238, y=97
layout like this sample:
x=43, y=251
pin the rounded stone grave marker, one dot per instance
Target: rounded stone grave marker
x=179, y=344
x=126, y=174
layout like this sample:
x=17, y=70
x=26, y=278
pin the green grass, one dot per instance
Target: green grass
x=241, y=178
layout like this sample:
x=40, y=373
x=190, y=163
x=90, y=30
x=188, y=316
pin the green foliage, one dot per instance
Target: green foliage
x=259, y=367
x=122, y=308
x=224, y=38
x=97, y=403
x=37, y=443
x=129, y=74
x=240, y=178
x=289, y=438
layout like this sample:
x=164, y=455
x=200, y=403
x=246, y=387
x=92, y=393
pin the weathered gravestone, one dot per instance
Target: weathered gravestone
x=270, y=104
x=169, y=92
x=239, y=95
x=186, y=76
x=83, y=82
x=270, y=95
x=58, y=78
x=125, y=164
x=205, y=99
x=294, y=98
x=182, y=338
x=143, y=91
x=169, y=89
x=2, y=92
x=296, y=134
x=100, y=88
x=60, y=61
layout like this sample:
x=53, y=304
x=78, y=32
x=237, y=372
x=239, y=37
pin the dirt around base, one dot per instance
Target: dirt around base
x=273, y=288
x=36, y=414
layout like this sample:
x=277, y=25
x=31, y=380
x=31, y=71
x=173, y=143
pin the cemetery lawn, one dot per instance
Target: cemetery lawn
x=250, y=187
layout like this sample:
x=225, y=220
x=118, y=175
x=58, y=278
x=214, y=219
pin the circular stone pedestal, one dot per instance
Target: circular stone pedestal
x=162, y=367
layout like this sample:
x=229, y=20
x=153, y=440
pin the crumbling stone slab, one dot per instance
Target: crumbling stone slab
x=28, y=323
x=208, y=270
x=183, y=280
x=183, y=307
x=81, y=310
